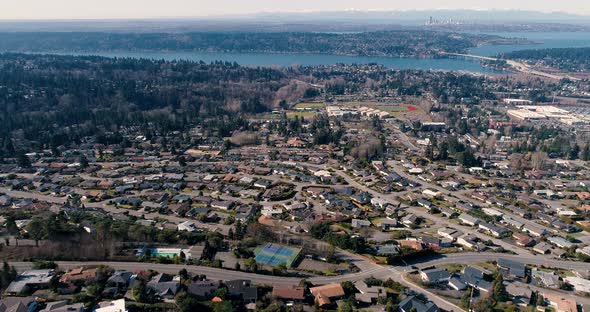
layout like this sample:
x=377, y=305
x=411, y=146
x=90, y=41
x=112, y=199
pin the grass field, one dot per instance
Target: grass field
x=267, y=116
x=305, y=114
x=310, y=105
x=402, y=111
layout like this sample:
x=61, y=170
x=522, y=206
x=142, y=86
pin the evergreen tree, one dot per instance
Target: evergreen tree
x=485, y=304
x=83, y=162
x=466, y=300
x=443, y=151
x=22, y=160
x=499, y=289
x=585, y=153
x=575, y=152
x=36, y=230
x=7, y=275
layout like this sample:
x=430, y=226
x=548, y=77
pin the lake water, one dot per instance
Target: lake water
x=285, y=60
x=542, y=40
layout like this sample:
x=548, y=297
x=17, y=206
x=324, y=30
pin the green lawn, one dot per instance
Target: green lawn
x=270, y=116
x=310, y=105
x=305, y=115
x=453, y=267
x=392, y=108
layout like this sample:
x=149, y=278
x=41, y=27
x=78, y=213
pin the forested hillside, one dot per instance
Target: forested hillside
x=385, y=43
x=48, y=100
x=567, y=59
x=42, y=96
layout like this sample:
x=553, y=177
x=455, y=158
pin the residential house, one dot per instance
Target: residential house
x=263, y=184
x=470, y=241
x=413, y=304
x=542, y=248
x=291, y=292
x=523, y=240
x=62, y=306
x=164, y=286
x=512, y=268
x=435, y=276
x=203, y=289
x=456, y=283
x=410, y=220
x=360, y=224
x=512, y=222
x=369, y=294
x=362, y=198
x=475, y=278
x=242, y=289
x=222, y=205
x=535, y=230
x=18, y=304
x=295, y=206
x=430, y=242
x=475, y=272
x=30, y=280
x=545, y=279
x=581, y=285
x=327, y=294
x=388, y=224
x=494, y=230
x=561, y=303
x=188, y=226
x=521, y=294
x=449, y=233
x=585, y=251
x=424, y=203
x=447, y=212
x=411, y=243
x=468, y=219
x=112, y=306
x=120, y=279
x=387, y=250
x=379, y=202
x=492, y=212
x=79, y=274
x=463, y=207
x=560, y=242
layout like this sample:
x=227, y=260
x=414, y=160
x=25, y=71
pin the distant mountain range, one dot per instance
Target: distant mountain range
x=420, y=16
x=340, y=21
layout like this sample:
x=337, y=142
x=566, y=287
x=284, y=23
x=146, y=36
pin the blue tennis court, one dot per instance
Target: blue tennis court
x=274, y=254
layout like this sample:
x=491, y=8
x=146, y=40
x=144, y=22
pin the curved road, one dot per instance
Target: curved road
x=375, y=270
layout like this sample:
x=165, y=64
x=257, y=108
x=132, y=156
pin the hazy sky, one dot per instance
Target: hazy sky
x=65, y=9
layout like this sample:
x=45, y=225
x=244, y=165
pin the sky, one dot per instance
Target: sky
x=120, y=9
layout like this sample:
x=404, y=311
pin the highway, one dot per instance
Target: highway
x=519, y=66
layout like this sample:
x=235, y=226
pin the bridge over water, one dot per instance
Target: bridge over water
x=519, y=66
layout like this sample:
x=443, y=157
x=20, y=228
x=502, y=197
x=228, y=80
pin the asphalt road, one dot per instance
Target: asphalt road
x=225, y=275
x=370, y=269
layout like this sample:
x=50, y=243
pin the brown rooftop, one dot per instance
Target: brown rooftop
x=324, y=294
x=289, y=292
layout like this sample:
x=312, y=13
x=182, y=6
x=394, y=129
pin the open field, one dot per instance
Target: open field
x=310, y=105
x=304, y=114
x=267, y=116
